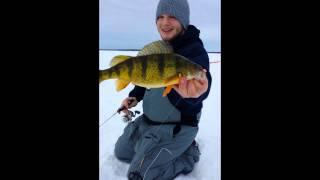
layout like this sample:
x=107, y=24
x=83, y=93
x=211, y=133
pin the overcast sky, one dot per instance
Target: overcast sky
x=130, y=24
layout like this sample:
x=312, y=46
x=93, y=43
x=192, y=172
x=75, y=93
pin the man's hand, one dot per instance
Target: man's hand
x=128, y=103
x=192, y=88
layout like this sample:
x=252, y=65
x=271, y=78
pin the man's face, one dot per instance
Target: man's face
x=169, y=27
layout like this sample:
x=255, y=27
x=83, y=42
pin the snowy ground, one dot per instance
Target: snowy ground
x=208, y=168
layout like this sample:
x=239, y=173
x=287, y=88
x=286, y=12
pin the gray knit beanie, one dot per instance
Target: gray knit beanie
x=176, y=8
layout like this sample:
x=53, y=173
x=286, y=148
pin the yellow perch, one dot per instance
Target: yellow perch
x=150, y=71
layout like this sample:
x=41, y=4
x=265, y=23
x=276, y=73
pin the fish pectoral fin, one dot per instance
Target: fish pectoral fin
x=173, y=79
x=121, y=84
x=118, y=59
x=171, y=82
x=167, y=90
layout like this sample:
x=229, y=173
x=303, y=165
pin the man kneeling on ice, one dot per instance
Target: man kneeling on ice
x=160, y=144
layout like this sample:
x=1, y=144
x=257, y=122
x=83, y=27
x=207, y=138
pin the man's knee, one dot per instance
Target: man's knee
x=123, y=151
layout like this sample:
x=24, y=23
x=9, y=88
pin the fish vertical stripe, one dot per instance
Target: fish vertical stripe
x=117, y=70
x=178, y=64
x=161, y=65
x=130, y=67
x=144, y=66
x=108, y=74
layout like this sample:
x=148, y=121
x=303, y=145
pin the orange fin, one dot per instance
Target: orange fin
x=173, y=80
x=167, y=90
x=121, y=84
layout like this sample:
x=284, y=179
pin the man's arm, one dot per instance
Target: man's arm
x=135, y=96
x=137, y=92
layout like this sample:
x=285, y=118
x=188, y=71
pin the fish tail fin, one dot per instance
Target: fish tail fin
x=100, y=79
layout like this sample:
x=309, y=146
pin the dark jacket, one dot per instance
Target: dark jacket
x=190, y=46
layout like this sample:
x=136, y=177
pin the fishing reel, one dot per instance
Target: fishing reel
x=128, y=117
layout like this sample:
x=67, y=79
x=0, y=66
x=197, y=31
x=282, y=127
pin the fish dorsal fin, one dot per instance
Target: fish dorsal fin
x=156, y=47
x=118, y=59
